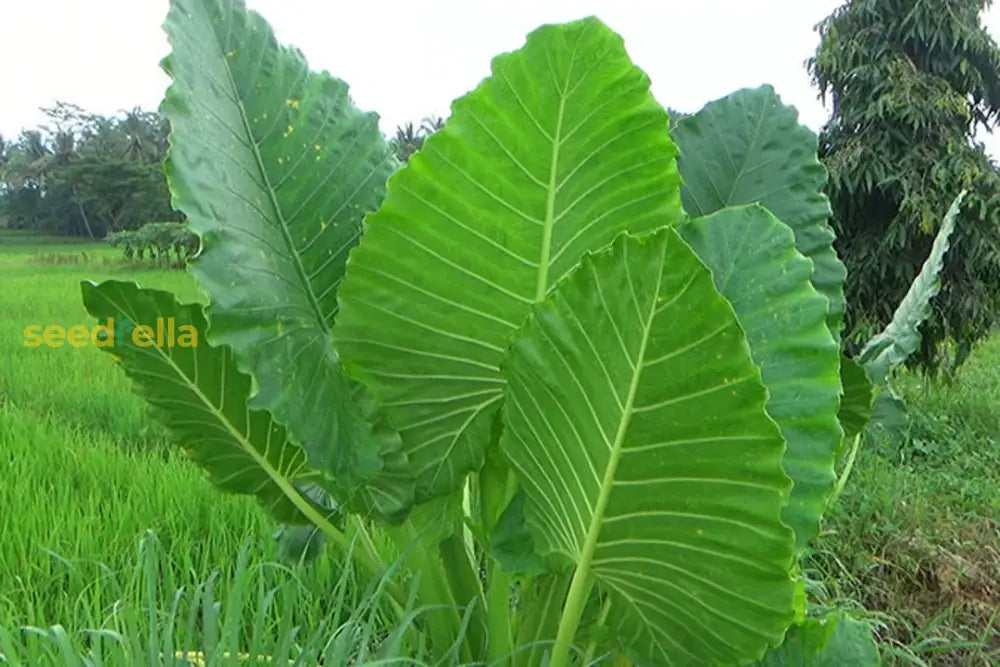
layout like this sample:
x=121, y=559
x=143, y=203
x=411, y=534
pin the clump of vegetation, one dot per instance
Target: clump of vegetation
x=911, y=84
x=537, y=371
x=549, y=409
x=156, y=240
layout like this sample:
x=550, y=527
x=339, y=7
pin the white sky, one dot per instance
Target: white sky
x=406, y=60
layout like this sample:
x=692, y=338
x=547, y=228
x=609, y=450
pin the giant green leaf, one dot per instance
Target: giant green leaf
x=275, y=170
x=750, y=148
x=562, y=148
x=635, y=419
x=901, y=337
x=755, y=265
x=202, y=397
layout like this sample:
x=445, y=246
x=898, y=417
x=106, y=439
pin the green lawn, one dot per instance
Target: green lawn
x=103, y=526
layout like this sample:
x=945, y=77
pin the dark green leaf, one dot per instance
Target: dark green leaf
x=857, y=394
x=512, y=545
x=749, y=148
x=275, y=170
x=755, y=265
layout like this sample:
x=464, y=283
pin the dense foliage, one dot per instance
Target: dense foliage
x=911, y=82
x=86, y=174
x=156, y=241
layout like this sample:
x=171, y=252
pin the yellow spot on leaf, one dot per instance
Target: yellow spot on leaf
x=288, y=130
x=293, y=103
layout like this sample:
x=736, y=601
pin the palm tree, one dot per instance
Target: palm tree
x=35, y=158
x=407, y=142
x=141, y=132
x=431, y=124
x=410, y=139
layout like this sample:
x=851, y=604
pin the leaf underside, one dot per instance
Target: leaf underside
x=756, y=266
x=275, y=169
x=901, y=337
x=202, y=398
x=562, y=148
x=634, y=417
x=749, y=148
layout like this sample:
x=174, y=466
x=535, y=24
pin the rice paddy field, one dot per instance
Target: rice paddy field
x=114, y=550
x=110, y=542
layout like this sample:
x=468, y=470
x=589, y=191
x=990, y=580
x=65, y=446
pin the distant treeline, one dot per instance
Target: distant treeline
x=85, y=174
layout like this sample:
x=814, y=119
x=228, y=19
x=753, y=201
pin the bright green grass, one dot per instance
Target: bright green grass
x=916, y=534
x=84, y=473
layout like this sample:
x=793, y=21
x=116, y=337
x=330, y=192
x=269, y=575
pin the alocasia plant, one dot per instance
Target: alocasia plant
x=535, y=370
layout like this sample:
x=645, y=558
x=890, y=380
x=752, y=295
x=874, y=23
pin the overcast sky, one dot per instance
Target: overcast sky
x=406, y=60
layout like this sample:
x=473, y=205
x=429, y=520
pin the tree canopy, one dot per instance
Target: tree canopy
x=86, y=174
x=911, y=82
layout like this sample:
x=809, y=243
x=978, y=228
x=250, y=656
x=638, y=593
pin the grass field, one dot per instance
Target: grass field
x=91, y=498
x=105, y=528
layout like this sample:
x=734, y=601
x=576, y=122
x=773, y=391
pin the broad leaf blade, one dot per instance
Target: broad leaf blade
x=755, y=265
x=750, y=148
x=275, y=169
x=901, y=337
x=857, y=396
x=635, y=419
x=202, y=397
x=562, y=148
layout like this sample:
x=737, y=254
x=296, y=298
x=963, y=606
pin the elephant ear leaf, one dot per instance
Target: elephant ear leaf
x=634, y=418
x=275, y=170
x=755, y=265
x=197, y=391
x=901, y=337
x=552, y=156
x=749, y=148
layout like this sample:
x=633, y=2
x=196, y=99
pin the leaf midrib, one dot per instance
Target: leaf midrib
x=272, y=197
x=580, y=585
x=284, y=485
x=541, y=287
x=593, y=533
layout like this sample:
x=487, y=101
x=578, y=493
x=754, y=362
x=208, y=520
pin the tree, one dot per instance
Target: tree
x=911, y=82
x=409, y=138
